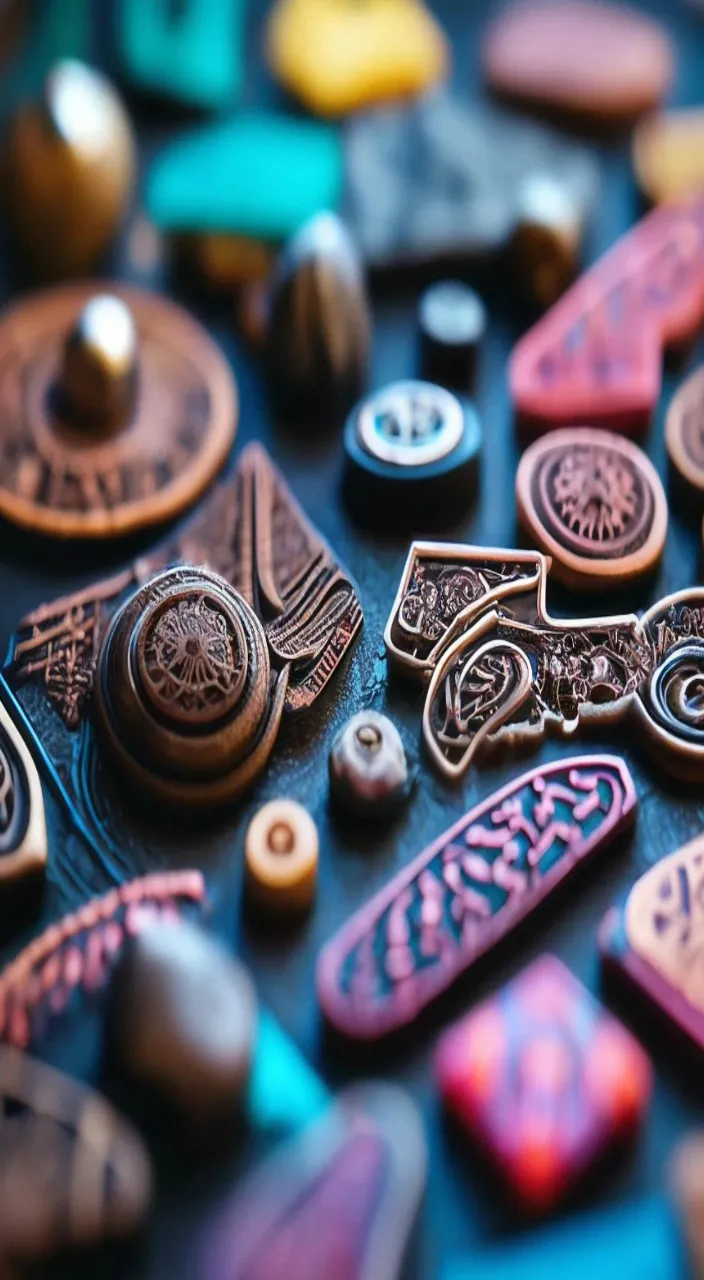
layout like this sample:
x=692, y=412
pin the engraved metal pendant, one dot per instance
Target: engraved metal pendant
x=474, y=624
x=187, y=671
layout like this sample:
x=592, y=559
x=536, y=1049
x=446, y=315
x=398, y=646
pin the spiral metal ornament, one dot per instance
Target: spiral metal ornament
x=185, y=697
x=671, y=703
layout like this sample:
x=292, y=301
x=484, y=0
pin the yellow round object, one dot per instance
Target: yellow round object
x=281, y=857
x=339, y=57
x=668, y=154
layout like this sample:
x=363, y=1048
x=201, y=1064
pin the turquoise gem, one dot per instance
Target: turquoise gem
x=61, y=29
x=284, y=1094
x=188, y=50
x=258, y=174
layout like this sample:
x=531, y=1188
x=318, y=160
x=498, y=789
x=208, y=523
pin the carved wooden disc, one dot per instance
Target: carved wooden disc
x=684, y=432
x=62, y=479
x=595, y=503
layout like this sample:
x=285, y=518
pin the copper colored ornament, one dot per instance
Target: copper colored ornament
x=684, y=434
x=72, y=1171
x=595, y=503
x=69, y=168
x=185, y=697
x=468, y=890
x=188, y=670
x=596, y=356
x=78, y=953
x=544, y=1047
x=472, y=623
x=655, y=940
x=668, y=154
x=119, y=411
x=338, y=1201
x=23, y=837
x=599, y=62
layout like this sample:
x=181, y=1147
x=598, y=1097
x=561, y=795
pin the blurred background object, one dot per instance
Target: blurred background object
x=189, y=53
x=68, y=172
x=668, y=154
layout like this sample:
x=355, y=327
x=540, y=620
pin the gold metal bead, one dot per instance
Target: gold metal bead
x=69, y=169
x=281, y=857
x=547, y=240
x=100, y=364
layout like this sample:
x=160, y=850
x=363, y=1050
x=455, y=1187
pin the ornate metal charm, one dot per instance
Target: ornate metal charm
x=541, y=1047
x=595, y=503
x=655, y=940
x=188, y=671
x=684, y=434
x=597, y=355
x=72, y=1171
x=81, y=951
x=474, y=623
x=71, y=473
x=23, y=839
x=468, y=890
x=340, y=1200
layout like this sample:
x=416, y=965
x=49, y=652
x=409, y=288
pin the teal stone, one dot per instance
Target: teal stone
x=191, y=51
x=284, y=1093
x=258, y=174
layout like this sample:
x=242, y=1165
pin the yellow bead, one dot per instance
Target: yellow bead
x=281, y=857
x=338, y=56
x=69, y=167
x=668, y=154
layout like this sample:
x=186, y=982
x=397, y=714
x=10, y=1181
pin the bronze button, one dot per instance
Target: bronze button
x=369, y=771
x=69, y=166
x=185, y=699
x=118, y=411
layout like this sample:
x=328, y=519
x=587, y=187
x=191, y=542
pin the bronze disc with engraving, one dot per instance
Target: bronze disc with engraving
x=595, y=503
x=118, y=410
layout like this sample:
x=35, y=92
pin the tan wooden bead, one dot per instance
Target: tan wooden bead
x=281, y=857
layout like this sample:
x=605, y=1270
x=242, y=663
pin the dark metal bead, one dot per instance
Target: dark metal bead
x=369, y=771
x=319, y=325
x=452, y=324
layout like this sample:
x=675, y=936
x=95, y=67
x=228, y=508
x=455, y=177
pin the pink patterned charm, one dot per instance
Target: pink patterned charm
x=80, y=951
x=468, y=890
x=544, y=1079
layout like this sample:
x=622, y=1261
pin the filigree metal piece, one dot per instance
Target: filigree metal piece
x=545, y=1079
x=340, y=1200
x=657, y=938
x=81, y=951
x=595, y=503
x=23, y=838
x=597, y=355
x=253, y=534
x=468, y=890
x=474, y=624
x=72, y=1171
x=59, y=478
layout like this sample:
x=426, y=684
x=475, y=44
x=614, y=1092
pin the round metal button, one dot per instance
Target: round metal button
x=184, y=695
x=101, y=435
x=410, y=424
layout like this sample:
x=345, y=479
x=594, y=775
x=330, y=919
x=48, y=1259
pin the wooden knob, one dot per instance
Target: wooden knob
x=281, y=857
x=69, y=171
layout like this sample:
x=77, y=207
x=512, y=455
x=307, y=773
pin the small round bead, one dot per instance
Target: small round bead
x=452, y=324
x=184, y=1021
x=369, y=771
x=281, y=857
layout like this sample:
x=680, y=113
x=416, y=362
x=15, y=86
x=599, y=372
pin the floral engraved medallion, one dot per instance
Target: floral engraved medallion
x=656, y=939
x=194, y=659
x=468, y=890
x=595, y=503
